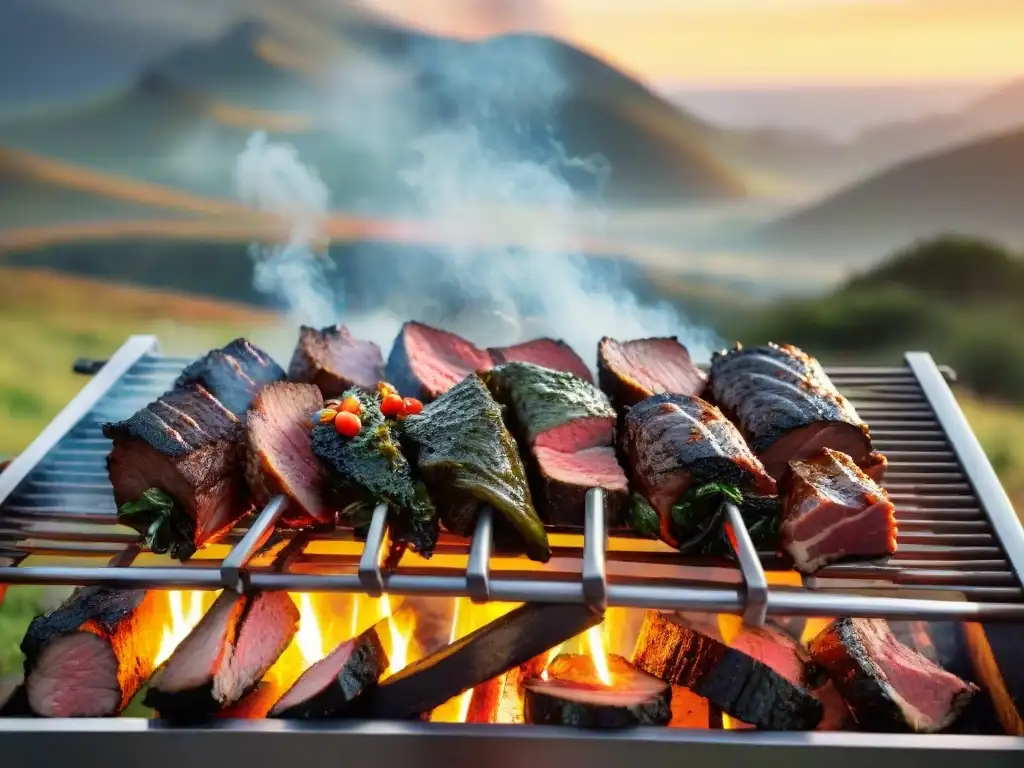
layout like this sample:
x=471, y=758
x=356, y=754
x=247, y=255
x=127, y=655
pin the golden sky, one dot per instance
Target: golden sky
x=764, y=41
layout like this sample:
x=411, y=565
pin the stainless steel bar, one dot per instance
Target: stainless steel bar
x=166, y=578
x=478, y=569
x=595, y=543
x=755, y=582
x=369, y=573
x=232, y=568
x=120, y=742
x=972, y=456
x=129, y=353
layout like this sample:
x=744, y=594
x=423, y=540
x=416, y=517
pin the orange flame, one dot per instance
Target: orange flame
x=595, y=641
x=181, y=621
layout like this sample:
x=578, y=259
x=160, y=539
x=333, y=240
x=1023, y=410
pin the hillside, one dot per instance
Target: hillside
x=185, y=122
x=975, y=189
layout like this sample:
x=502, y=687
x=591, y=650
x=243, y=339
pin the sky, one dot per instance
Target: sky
x=60, y=49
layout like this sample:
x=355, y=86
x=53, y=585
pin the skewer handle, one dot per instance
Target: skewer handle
x=755, y=609
x=232, y=568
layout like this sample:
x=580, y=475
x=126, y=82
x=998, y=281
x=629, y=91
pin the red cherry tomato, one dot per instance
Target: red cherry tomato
x=347, y=424
x=391, y=406
x=411, y=406
x=351, y=405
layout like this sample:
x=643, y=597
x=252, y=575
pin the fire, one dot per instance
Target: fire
x=309, y=638
x=399, y=655
x=179, y=621
x=595, y=641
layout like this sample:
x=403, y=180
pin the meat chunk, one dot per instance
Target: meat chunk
x=567, y=428
x=90, y=656
x=786, y=406
x=178, y=462
x=683, y=653
x=832, y=510
x=548, y=353
x=876, y=466
x=630, y=371
x=234, y=374
x=334, y=360
x=566, y=477
x=889, y=687
x=225, y=656
x=279, y=452
x=425, y=361
x=675, y=444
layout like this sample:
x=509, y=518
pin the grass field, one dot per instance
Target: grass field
x=48, y=320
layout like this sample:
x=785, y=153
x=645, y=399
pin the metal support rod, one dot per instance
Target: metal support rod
x=595, y=544
x=478, y=570
x=977, y=468
x=755, y=608
x=232, y=568
x=369, y=572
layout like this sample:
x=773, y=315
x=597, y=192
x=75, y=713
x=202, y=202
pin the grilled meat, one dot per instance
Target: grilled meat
x=90, y=656
x=683, y=653
x=334, y=360
x=279, y=454
x=888, y=686
x=876, y=466
x=677, y=446
x=566, y=427
x=832, y=510
x=234, y=375
x=547, y=353
x=468, y=458
x=630, y=371
x=786, y=406
x=572, y=694
x=331, y=685
x=370, y=469
x=177, y=470
x=225, y=656
x=425, y=361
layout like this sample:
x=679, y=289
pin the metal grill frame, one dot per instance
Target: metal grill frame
x=721, y=587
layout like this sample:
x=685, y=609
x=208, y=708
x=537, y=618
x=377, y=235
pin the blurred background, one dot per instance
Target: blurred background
x=846, y=175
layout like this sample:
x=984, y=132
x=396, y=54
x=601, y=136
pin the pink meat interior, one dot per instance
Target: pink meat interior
x=76, y=676
x=596, y=467
x=579, y=434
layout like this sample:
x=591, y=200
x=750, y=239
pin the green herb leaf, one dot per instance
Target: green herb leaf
x=641, y=516
x=696, y=517
x=163, y=526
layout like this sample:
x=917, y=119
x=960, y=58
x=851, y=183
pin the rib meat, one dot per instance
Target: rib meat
x=832, y=510
x=335, y=361
x=786, y=406
x=234, y=374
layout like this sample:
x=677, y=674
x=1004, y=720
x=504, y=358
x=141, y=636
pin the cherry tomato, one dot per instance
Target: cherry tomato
x=384, y=389
x=347, y=424
x=411, y=406
x=351, y=405
x=391, y=406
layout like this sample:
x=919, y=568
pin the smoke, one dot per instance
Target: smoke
x=481, y=160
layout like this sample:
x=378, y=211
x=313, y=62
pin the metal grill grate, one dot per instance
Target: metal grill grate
x=961, y=548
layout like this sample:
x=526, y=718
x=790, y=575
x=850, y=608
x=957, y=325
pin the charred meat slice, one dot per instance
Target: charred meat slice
x=553, y=409
x=565, y=478
x=889, y=687
x=334, y=360
x=177, y=471
x=680, y=653
x=547, y=353
x=572, y=694
x=331, y=685
x=679, y=447
x=492, y=650
x=90, y=656
x=630, y=371
x=425, y=361
x=832, y=510
x=225, y=656
x=279, y=453
x=370, y=469
x=785, y=405
x=468, y=458
x=234, y=374
x=876, y=466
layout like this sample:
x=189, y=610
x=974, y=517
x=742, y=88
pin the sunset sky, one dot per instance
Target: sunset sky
x=763, y=41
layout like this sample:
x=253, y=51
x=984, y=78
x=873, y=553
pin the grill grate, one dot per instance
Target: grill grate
x=961, y=548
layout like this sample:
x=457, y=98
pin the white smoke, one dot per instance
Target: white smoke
x=477, y=180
